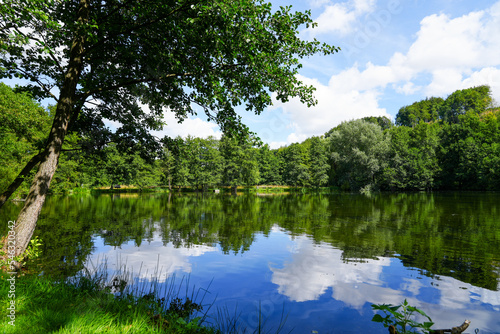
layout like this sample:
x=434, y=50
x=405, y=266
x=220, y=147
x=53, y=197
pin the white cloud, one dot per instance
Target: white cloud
x=193, y=126
x=457, y=53
x=408, y=88
x=341, y=17
x=340, y=101
x=443, y=42
x=314, y=269
x=151, y=260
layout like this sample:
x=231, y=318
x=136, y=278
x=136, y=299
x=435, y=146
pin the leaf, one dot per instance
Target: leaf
x=378, y=318
x=428, y=324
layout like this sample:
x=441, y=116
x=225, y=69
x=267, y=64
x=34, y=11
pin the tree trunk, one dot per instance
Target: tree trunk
x=26, y=222
x=20, y=178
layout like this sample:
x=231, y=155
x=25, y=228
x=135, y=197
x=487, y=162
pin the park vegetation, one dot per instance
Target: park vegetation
x=435, y=144
x=129, y=61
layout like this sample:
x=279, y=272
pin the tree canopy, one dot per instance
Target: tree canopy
x=160, y=54
x=128, y=61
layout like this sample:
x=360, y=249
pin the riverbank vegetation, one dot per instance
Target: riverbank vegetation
x=435, y=144
x=90, y=303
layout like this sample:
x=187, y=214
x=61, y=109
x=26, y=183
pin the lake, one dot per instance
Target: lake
x=318, y=260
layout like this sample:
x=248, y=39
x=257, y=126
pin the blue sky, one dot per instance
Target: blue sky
x=394, y=53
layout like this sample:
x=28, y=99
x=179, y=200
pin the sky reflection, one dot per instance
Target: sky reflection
x=311, y=280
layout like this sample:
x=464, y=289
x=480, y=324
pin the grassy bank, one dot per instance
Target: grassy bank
x=86, y=305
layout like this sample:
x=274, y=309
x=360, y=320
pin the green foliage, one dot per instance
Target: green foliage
x=205, y=161
x=217, y=55
x=359, y=153
x=31, y=253
x=413, y=159
x=476, y=99
x=269, y=166
x=319, y=165
x=352, y=156
x=384, y=122
x=295, y=166
x=469, y=153
x=24, y=125
x=422, y=111
x=403, y=320
x=85, y=305
x=240, y=162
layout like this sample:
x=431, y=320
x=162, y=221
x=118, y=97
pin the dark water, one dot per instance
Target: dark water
x=322, y=260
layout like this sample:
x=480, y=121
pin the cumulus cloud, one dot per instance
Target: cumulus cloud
x=455, y=53
x=341, y=17
x=314, y=269
x=340, y=100
x=154, y=259
x=193, y=126
x=458, y=52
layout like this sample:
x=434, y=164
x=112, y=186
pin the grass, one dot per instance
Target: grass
x=92, y=303
x=86, y=304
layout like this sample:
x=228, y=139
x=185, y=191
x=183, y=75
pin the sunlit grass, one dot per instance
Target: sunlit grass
x=85, y=305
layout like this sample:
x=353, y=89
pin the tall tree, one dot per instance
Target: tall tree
x=240, y=162
x=205, y=161
x=106, y=59
x=359, y=153
x=296, y=165
x=319, y=166
x=167, y=166
x=268, y=166
x=422, y=111
x=475, y=99
x=413, y=158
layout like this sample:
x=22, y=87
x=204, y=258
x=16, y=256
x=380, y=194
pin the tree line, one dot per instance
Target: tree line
x=436, y=143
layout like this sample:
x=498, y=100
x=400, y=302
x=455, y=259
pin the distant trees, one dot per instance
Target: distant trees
x=413, y=157
x=23, y=127
x=240, y=162
x=426, y=111
x=423, y=152
x=476, y=100
x=359, y=154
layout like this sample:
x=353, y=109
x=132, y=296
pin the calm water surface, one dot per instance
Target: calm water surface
x=322, y=260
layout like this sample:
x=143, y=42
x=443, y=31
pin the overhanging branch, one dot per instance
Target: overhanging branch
x=131, y=83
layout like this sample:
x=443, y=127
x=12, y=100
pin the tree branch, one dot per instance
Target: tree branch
x=52, y=56
x=20, y=178
x=454, y=330
x=130, y=83
x=39, y=83
x=138, y=27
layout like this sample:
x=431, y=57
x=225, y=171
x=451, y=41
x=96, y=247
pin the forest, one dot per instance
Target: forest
x=435, y=144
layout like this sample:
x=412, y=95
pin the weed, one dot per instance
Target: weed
x=403, y=321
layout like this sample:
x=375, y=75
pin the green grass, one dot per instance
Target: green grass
x=85, y=305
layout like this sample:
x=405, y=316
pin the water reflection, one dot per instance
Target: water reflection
x=152, y=260
x=315, y=268
x=327, y=257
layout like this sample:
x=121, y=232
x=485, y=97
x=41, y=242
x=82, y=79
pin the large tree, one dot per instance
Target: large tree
x=359, y=153
x=109, y=59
